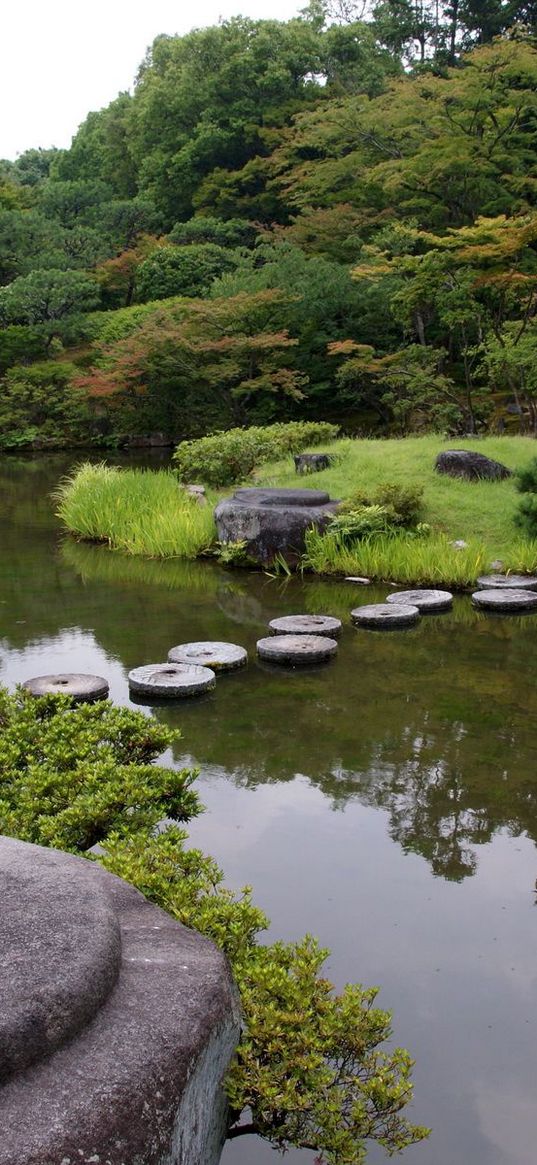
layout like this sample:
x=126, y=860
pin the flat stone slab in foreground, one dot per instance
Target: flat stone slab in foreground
x=211, y=654
x=497, y=599
x=117, y=1023
x=423, y=599
x=517, y=582
x=385, y=616
x=296, y=650
x=306, y=625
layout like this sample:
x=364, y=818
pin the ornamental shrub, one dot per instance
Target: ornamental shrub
x=225, y=458
x=526, y=484
x=310, y=1068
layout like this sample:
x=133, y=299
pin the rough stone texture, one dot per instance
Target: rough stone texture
x=424, y=600
x=272, y=521
x=385, y=616
x=311, y=462
x=517, y=582
x=296, y=650
x=81, y=688
x=498, y=599
x=145, y=1021
x=470, y=465
x=306, y=625
x=171, y=680
x=209, y=654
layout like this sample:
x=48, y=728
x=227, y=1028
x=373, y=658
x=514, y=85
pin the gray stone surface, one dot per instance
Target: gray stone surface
x=130, y=1019
x=296, y=650
x=470, y=465
x=517, y=582
x=385, y=616
x=210, y=654
x=424, y=600
x=81, y=688
x=171, y=680
x=306, y=625
x=311, y=462
x=503, y=599
x=272, y=521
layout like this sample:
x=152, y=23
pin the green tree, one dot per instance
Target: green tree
x=47, y=298
x=176, y=270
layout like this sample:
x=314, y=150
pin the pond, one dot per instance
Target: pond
x=386, y=802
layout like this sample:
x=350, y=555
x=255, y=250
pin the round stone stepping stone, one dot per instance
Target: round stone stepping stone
x=423, y=599
x=517, y=582
x=498, y=599
x=296, y=649
x=385, y=615
x=79, y=687
x=171, y=680
x=306, y=625
x=211, y=654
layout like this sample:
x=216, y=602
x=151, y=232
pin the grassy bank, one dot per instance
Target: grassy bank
x=142, y=512
x=480, y=513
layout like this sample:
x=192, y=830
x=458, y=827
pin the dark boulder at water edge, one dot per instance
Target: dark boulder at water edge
x=272, y=521
x=469, y=465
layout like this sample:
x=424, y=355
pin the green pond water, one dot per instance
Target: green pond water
x=386, y=802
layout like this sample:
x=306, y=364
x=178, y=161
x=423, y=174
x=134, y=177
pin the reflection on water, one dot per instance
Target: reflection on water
x=386, y=802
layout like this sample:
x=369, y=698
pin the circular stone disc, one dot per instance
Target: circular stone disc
x=306, y=625
x=206, y=653
x=296, y=649
x=385, y=615
x=506, y=582
x=171, y=679
x=78, y=687
x=497, y=599
x=422, y=599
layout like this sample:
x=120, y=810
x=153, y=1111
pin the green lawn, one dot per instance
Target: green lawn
x=480, y=513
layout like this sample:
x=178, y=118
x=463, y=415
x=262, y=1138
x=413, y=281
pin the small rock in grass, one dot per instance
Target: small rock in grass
x=459, y=544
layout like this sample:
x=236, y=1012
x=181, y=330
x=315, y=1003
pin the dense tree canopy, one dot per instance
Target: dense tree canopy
x=373, y=171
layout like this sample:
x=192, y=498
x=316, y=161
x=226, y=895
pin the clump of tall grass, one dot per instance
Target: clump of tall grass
x=401, y=558
x=138, y=511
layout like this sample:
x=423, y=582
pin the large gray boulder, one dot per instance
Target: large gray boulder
x=117, y=1023
x=272, y=521
x=471, y=466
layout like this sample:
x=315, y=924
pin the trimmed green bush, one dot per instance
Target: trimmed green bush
x=526, y=484
x=225, y=458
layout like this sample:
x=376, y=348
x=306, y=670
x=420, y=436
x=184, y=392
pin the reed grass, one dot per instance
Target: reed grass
x=138, y=511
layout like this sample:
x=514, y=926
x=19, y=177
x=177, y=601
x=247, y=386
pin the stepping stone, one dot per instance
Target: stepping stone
x=171, y=680
x=306, y=625
x=498, y=599
x=422, y=599
x=385, y=615
x=80, y=688
x=517, y=582
x=212, y=654
x=296, y=649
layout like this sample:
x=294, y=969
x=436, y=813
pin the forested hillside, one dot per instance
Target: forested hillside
x=326, y=218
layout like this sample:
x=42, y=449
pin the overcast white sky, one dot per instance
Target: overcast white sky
x=60, y=59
